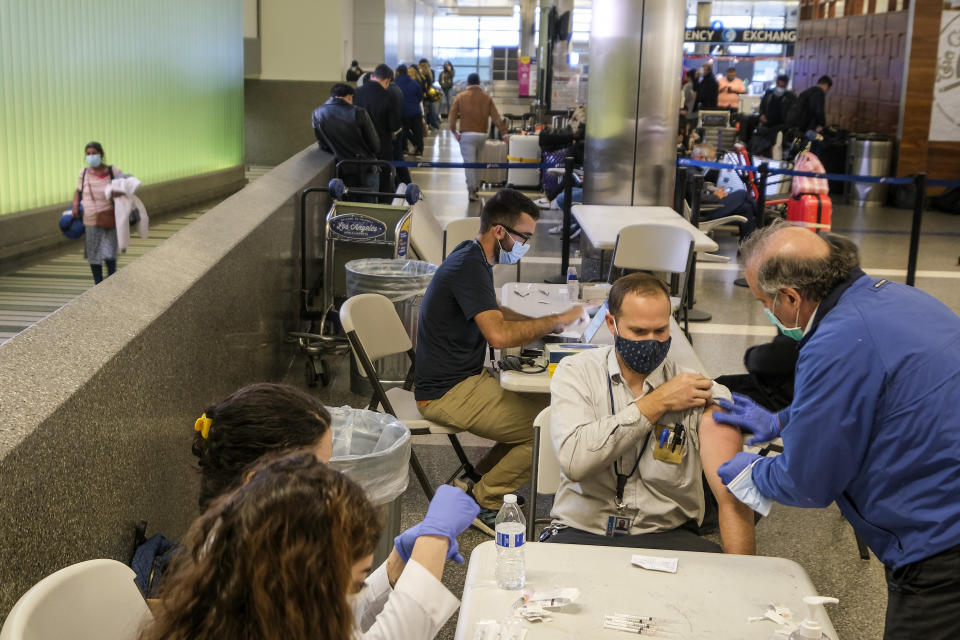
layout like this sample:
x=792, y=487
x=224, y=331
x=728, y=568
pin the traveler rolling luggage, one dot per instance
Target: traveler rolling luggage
x=810, y=210
x=493, y=151
x=524, y=149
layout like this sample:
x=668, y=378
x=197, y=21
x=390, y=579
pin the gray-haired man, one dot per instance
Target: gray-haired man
x=873, y=424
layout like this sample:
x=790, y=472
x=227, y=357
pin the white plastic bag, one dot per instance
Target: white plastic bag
x=373, y=450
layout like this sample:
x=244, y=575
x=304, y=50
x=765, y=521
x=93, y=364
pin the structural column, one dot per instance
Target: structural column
x=636, y=54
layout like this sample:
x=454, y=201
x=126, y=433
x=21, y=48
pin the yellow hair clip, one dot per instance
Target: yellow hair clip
x=203, y=426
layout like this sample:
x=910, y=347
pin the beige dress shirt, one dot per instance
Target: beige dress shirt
x=589, y=436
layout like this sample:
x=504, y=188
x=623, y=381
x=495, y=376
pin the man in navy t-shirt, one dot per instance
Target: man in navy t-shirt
x=459, y=317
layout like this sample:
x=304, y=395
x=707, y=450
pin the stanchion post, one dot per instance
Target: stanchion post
x=695, y=193
x=762, y=194
x=679, y=188
x=920, y=188
x=567, y=216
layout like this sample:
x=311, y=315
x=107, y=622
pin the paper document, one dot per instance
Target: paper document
x=654, y=563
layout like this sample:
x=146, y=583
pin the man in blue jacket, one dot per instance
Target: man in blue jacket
x=873, y=425
x=412, y=112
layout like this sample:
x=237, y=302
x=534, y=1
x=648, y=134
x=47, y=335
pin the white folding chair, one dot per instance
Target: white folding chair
x=457, y=231
x=657, y=247
x=426, y=234
x=375, y=331
x=707, y=227
x=92, y=600
x=545, y=470
x=460, y=230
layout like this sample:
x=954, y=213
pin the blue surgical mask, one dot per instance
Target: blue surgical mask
x=94, y=160
x=643, y=356
x=513, y=256
x=795, y=333
x=779, y=91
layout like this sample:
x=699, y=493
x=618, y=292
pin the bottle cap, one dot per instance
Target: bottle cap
x=509, y=499
x=810, y=628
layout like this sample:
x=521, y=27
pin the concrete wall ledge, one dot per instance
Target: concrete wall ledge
x=25, y=235
x=97, y=402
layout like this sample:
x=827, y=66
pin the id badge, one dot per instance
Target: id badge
x=619, y=525
x=670, y=446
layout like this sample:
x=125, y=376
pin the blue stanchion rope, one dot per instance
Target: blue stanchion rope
x=839, y=177
x=429, y=164
x=681, y=162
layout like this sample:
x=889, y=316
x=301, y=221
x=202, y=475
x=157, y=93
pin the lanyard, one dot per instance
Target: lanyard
x=622, y=478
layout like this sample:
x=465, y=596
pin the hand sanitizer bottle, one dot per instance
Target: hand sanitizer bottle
x=810, y=629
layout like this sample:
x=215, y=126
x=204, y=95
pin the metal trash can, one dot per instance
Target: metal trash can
x=373, y=450
x=404, y=282
x=868, y=155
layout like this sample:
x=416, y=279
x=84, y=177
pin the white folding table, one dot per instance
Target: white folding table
x=710, y=596
x=602, y=223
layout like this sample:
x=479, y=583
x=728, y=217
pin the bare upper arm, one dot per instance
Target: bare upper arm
x=718, y=442
x=491, y=326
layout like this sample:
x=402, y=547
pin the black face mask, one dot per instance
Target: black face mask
x=643, y=356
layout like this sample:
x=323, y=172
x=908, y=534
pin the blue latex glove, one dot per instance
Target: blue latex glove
x=749, y=416
x=450, y=513
x=732, y=467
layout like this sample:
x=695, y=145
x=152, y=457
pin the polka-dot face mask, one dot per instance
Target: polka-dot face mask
x=643, y=356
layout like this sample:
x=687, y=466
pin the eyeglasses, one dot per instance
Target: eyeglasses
x=524, y=238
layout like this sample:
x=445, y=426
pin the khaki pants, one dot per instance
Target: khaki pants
x=481, y=406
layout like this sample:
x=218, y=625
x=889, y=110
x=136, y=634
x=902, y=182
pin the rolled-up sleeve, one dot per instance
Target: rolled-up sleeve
x=584, y=442
x=416, y=609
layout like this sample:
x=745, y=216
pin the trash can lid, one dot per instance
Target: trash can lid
x=395, y=268
x=871, y=137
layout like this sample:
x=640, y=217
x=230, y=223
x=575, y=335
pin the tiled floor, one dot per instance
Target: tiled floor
x=818, y=539
x=30, y=294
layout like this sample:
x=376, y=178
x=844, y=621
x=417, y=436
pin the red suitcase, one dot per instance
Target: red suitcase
x=810, y=210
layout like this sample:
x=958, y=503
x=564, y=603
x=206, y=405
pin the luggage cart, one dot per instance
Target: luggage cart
x=352, y=230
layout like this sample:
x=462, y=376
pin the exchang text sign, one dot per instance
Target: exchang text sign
x=758, y=36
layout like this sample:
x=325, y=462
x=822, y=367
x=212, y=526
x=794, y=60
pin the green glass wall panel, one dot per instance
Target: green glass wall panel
x=158, y=82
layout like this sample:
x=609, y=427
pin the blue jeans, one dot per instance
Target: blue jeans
x=576, y=195
x=432, y=111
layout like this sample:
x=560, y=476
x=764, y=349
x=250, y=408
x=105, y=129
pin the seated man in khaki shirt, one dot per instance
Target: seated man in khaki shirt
x=632, y=437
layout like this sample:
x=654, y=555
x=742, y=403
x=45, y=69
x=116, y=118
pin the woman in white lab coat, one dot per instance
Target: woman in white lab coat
x=286, y=555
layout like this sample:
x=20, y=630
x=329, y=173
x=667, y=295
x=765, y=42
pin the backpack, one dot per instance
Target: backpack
x=805, y=185
x=798, y=115
x=949, y=201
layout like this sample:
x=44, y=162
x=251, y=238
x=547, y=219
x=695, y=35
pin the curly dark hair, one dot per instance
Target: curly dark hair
x=271, y=559
x=253, y=421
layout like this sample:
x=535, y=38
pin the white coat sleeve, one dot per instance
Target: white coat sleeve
x=122, y=206
x=416, y=609
x=143, y=227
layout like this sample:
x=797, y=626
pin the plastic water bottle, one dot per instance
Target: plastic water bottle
x=511, y=530
x=573, y=284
